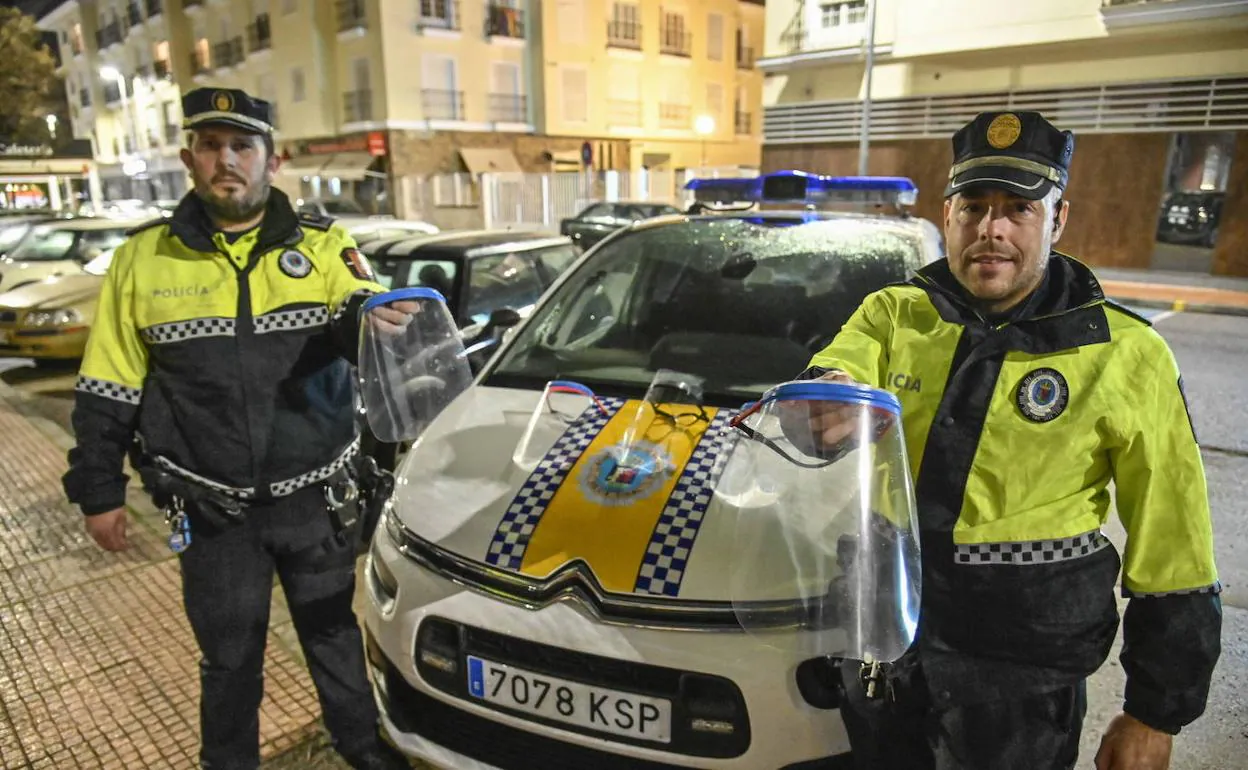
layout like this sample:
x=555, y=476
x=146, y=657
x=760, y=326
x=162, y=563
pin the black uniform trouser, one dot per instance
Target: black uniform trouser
x=227, y=583
x=904, y=731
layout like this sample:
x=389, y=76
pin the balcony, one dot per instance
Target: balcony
x=624, y=112
x=442, y=105
x=509, y=108
x=674, y=40
x=1126, y=14
x=228, y=52
x=154, y=8
x=351, y=15
x=357, y=106
x=259, y=34
x=199, y=65
x=439, y=14
x=108, y=35
x=624, y=34
x=744, y=122
x=745, y=57
x=134, y=14
x=674, y=116
x=504, y=21
x=173, y=134
x=112, y=93
x=162, y=69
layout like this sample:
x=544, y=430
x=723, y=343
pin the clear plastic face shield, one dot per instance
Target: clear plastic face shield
x=826, y=555
x=412, y=362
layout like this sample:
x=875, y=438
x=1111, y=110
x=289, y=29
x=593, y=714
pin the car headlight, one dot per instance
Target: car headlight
x=45, y=318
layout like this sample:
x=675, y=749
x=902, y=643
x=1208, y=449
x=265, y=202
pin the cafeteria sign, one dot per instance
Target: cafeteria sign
x=26, y=150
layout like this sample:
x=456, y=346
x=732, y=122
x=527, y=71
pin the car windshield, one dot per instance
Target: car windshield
x=647, y=210
x=10, y=235
x=46, y=242
x=741, y=302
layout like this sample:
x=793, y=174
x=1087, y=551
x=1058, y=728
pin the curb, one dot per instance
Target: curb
x=1182, y=306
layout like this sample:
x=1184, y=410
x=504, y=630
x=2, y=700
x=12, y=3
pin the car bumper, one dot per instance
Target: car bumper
x=785, y=732
x=43, y=344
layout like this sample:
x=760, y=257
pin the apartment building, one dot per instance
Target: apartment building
x=1156, y=92
x=372, y=95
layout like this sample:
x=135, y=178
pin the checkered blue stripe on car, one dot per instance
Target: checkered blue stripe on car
x=516, y=529
x=667, y=555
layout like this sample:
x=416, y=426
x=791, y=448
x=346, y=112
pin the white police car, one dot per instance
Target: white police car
x=535, y=601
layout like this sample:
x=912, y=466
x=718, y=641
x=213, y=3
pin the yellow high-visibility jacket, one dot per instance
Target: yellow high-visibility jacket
x=230, y=357
x=1015, y=429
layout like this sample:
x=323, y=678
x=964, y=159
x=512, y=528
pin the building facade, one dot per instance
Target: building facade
x=1156, y=92
x=374, y=96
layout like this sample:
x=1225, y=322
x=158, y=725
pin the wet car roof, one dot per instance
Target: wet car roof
x=468, y=242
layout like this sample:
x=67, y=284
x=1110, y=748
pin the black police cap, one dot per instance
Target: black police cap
x=226, y=106
x=1016, y=151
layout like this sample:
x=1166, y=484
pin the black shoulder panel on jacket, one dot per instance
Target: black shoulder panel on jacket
x=147, y=225
x=315, y=221
x=1128, y=312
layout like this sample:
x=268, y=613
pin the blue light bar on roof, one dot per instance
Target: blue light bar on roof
x=809, y=189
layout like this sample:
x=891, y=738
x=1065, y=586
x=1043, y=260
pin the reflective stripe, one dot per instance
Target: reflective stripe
x=282, y=488
x=184, y=330
x=1030, y=552
x=286, y=320
x=113, y=390
x=243, y=493
x=1216, y=588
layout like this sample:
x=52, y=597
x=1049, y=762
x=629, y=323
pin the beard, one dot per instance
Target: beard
x=231, y=209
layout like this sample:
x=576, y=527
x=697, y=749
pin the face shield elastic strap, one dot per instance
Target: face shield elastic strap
x=567, y=386
x=738, y=422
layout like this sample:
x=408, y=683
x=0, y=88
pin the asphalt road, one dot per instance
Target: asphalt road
x=1213, y=354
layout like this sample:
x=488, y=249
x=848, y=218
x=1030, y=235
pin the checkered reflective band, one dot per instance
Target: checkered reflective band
x=663, y=566
x=185, y=330
x=1031, y=551
x=289, y=320
x=108, y=389
x=512, y=536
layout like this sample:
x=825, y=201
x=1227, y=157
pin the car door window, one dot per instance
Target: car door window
x=95, y=242
x=553, y=261
x=503, y=280
x=602, y=212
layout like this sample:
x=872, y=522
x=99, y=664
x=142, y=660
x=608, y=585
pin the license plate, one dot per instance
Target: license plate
x=595, y=708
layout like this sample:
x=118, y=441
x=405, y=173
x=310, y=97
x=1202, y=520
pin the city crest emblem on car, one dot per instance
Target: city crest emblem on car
x=621, y=475
x=295, y=264
x=1042, y=395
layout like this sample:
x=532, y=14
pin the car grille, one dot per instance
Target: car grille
x=490, y=742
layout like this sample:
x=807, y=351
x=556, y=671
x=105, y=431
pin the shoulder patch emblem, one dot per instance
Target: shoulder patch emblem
x=1042, y=395
x=358, y=264
x=294, y=263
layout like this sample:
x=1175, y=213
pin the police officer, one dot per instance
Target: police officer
x=223, y=342
x=1030, y=392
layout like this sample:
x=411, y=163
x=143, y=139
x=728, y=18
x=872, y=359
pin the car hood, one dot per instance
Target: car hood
x=54, y=292
x=561, y=504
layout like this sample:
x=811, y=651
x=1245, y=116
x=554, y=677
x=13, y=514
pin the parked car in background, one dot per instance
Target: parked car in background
x=61, y=247
x=1191, y=218
x=599, y=220
x=49, y=320
x=365, y=229
x=334, y=207
x=14, y=227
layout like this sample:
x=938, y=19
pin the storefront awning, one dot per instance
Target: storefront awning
x=303, y=165
x=350, y=166
x=490, y=160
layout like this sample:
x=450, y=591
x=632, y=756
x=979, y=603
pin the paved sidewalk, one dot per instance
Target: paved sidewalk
x=1170, y=290
x=98, y=667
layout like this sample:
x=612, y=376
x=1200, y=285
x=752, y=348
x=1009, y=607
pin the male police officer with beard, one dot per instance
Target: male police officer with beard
x=223, y=342
x=1035, y=393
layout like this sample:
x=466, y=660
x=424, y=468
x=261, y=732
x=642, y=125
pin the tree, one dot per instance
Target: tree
x=27, y=76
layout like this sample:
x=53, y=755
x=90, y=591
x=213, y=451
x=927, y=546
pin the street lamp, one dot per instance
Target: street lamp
x=704, y=126
x=112, y=73
x=51, y=120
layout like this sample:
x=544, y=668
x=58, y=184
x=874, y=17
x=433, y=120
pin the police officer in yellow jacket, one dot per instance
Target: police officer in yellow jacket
x=223, y=342
x=1025, y=393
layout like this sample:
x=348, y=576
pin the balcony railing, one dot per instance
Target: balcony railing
x=674, y=115
x=442, y=105
x=259, y=34
x=109, y=34
x=624, y=34
x=439, y=14
x=155, y=8
x=745, y=57
x=112, y=93
x=173, y=134
x=623, y=112
x=674, y=40
x=744, y=123
x=509, y=108
x=504, y=21
x=228, y=52
x=357, y=106
x=351, y=15
x=134, y=14
x=199, y=66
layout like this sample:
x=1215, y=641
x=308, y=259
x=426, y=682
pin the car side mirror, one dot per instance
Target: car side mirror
x=501, y=318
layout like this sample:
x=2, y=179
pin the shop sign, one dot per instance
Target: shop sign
x=25, y=150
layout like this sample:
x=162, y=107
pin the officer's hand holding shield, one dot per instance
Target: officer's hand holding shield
x=412, y=362
x=826, y=556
